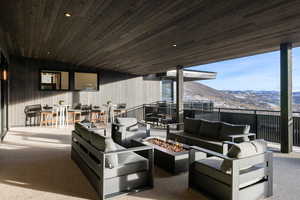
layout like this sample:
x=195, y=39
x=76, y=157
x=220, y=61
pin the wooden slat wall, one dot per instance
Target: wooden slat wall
x=117, y=87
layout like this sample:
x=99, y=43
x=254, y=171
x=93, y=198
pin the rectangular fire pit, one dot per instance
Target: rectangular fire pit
x=168, y=155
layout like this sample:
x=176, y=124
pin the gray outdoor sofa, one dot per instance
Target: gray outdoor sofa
x=209, y=134
x=245, y=173
x=125, y=129
x=110, y=168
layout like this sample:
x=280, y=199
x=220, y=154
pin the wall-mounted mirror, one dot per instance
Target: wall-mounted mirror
x=54, y=80
x=86, y=81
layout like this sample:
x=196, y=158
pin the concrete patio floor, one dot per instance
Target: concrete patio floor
x=35, y=164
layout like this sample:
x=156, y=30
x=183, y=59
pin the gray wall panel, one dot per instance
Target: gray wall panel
x=117, y=87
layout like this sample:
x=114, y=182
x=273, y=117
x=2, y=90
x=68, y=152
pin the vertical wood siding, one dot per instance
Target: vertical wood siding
x=117, y=87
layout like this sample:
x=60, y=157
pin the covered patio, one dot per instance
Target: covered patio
x=75, y=60
x=36, y=164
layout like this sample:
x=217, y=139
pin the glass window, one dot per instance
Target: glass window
x=54, y=80
x=86, y=81
x=167, y=90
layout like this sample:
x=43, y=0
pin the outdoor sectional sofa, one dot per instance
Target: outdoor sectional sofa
x=110, y=168
x=209, y=134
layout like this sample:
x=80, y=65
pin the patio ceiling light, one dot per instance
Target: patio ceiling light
x=174, y=45
x=67, y=14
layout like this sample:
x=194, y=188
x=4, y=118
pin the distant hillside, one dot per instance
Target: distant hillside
x=268, y=100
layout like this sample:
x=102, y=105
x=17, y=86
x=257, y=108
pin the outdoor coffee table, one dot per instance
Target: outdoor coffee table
x=173, y=162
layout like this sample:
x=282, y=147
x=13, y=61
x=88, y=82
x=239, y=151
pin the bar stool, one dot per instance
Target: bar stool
x=103, y=118
x=46, y=118
x=95, y=116
x=54, y=116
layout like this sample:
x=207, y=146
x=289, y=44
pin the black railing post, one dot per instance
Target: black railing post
x=144, y=110
x=256, y=123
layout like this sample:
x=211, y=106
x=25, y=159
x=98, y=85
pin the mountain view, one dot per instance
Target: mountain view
x=248, y=99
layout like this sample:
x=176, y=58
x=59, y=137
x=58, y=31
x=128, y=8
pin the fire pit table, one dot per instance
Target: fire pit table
x=168, y=154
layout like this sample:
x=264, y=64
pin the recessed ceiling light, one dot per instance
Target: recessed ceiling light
x=67, y=14
x=174, y=45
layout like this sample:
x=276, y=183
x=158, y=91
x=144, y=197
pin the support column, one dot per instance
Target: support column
x=179, y=94
x=286, y=112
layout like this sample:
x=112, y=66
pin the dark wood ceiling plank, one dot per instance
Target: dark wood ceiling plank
x=137, y=36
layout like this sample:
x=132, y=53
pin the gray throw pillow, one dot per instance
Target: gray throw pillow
x=231, y=129
x=210, y=129
x=192, y=126
x=105, y=144
x=111, y=161
x=243, y=150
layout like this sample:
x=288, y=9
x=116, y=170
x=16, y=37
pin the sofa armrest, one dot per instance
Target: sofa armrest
x=117, y=124
x=233, y=137
x=136, y=124
x=133, y=149
x=128, y=127
x=211, y=153
x=228, y=142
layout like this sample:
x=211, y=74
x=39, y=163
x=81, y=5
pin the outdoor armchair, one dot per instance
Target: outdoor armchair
x=126, y=129
x=246, y=178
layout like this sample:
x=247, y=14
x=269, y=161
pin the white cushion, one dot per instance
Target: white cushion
x=243, y=150
x=127, y=121
x=105, y=144
x=111, y=161
x=260, y=145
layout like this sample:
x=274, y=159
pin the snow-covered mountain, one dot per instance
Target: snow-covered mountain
x=248, y=99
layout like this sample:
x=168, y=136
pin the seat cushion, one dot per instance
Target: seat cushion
x=231, y=129
x=105, y=144
x=210, y=129
x=211, y=167
x=243, y=150
x=129, y=163
x=192, y=126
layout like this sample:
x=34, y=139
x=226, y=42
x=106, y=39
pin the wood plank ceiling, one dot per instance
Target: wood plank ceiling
x=139, y=36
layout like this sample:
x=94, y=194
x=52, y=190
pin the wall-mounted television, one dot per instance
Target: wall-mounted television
x=86, y=81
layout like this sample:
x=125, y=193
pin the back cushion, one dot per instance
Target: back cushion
x=127, y=121
x=230, y=129
x=210, y=129
x=105, y=144
x=83, y=130
x=192, y=126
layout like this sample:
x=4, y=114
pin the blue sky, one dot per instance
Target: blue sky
x=259, y=72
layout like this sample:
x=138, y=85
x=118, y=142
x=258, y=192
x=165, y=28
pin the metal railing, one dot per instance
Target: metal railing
x=265, y=123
